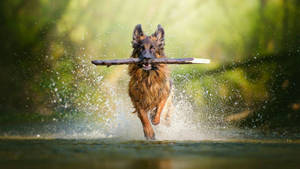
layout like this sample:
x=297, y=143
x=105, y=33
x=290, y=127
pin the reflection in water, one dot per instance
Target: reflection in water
x=111, y=153
x=152, y=163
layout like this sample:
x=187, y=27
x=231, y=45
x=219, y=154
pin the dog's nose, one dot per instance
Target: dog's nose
x=148, y=55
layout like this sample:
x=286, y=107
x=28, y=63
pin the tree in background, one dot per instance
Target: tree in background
x=47, y=47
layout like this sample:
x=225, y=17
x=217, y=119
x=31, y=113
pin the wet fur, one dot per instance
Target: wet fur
x=149, y=90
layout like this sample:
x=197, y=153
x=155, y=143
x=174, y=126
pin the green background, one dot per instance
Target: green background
x=254, y=45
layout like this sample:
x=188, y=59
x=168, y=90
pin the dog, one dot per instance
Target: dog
x=150, y=84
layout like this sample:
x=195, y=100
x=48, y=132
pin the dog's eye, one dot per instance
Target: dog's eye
x=152, y=48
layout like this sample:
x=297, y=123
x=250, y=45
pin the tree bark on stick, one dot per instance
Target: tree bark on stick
x=156, y=60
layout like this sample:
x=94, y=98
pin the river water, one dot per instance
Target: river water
x=117, y=141
x=232, y=149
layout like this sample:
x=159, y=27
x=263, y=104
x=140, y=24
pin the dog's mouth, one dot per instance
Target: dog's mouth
x=146, y=66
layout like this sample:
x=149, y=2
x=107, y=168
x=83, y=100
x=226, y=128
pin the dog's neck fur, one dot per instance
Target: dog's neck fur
x=148, y=87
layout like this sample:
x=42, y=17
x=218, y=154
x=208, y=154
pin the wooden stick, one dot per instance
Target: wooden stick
x=156, y=60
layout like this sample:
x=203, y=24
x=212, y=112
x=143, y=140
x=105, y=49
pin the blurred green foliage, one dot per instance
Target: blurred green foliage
x=252, y=81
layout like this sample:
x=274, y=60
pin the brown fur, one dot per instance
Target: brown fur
x=149, y=90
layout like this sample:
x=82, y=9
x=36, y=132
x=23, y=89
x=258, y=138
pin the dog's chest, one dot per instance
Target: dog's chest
x=148, y=90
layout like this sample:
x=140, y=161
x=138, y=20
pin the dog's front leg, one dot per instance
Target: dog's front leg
x=156, y=118
x=148, y=130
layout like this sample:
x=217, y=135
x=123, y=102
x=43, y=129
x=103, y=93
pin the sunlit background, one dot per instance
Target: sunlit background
x=252, y=81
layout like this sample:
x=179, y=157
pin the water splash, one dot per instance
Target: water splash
x=123, y=124
x=96, y=105
x=113, y=117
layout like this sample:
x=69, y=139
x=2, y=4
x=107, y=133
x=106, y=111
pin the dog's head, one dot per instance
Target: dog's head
x=148, y=47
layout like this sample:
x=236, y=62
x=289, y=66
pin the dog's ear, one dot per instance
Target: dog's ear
x=137, y=34
x=159, y=34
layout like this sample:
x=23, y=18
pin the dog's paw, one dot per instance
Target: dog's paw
x=149, y=134
x=152, y=137
x=155, y=120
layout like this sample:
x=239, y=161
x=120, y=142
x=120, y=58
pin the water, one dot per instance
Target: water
x=113, y=153
x=108, y=135
x=117, y=141
x=120, y=144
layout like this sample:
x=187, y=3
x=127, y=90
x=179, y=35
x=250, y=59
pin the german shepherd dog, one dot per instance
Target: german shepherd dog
x=149, y=86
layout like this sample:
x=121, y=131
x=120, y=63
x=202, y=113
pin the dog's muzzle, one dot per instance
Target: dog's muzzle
x=146, y=56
